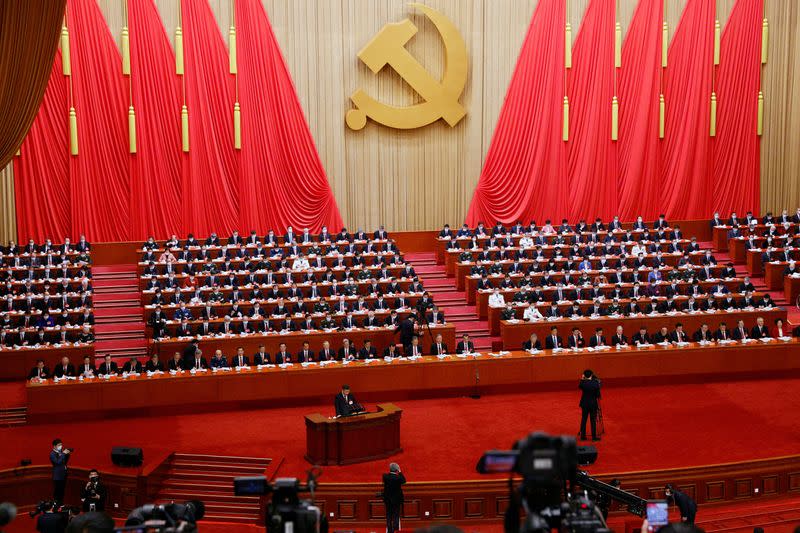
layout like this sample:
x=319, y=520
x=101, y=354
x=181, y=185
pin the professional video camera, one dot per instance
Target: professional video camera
x=167, y=518
x=47, y=505
x=554, y=494
x=286, y=511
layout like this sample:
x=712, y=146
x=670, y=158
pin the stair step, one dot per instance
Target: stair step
x=232, y=469
x=224, y=458
x=127, y=319
x=112, y=304
x=207, y=497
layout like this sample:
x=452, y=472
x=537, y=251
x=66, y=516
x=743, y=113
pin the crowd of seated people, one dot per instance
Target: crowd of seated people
x=662, y=335
x=45, y=294
x=290, y=283
x=749, y=220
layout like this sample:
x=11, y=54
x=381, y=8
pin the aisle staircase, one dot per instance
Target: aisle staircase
x=209, y=478
x=453, y=302
x=13, y=416
x=119, y=327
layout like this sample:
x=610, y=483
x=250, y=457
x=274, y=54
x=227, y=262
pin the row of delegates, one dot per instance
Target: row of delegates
x=580, y=227
x=18, y=338
x=663, y=336
x=64, y=369
x=587, y=244
x=586, y=289
x=653, y=306
x=750, y=219
x=67, y=246
x=46, y=302
x=270, y=238
x=31, y=292
x=47, y=319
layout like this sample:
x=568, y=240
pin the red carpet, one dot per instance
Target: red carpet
x=648, y=428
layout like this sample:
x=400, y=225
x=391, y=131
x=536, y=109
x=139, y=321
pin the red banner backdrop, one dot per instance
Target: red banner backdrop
x=592, y=163
x=279, y=163
x=736, y=185
x=524, y=176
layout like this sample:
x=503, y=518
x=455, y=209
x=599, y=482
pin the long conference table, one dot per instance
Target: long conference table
x=514, y=333
x=15, y=363
x=379, y=381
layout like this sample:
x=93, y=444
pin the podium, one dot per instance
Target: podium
x=353, y=439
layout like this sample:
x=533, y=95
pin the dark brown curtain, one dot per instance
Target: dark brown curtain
x=29, y=33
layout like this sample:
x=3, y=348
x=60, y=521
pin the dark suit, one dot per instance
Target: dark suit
x=346, y=405
x=552, y=342
x=438, y=348
x=590, y=402
x=59, y=461
x=393, y=499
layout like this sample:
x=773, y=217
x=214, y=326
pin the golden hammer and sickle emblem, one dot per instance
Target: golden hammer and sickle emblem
x=441, y=98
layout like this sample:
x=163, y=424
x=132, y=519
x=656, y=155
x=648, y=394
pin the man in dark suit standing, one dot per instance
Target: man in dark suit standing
x=393, y=497
x=590, y=402
x=59, y=458
x=345, y=403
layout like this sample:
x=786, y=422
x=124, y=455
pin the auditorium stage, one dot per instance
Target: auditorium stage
x=648, y=428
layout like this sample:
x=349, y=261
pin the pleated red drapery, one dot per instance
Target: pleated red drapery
x=155, y=169
x=99, y=176
x=592, y=155
x=736, y=178
x=639, y=146
x=686, y=155
x=210, y=169
x=282, y=179
x=41, y=174
x=524, y=176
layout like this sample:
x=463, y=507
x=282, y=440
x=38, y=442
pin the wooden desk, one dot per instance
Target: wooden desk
x=15, y=364
x=381, y=338
x=381, y=381
x=719, y=238
x=514, y=334
x=773, y=275
x=353, y=439
x=791, y=289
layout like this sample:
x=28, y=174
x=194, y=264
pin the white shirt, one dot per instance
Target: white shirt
x=526, y=242
x=496, y=300
x=532, y=313
x=301, y=263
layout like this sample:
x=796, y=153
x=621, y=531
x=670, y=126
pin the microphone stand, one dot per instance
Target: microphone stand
x=475, y=394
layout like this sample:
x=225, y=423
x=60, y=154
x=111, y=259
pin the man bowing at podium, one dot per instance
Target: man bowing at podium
x=346, y=404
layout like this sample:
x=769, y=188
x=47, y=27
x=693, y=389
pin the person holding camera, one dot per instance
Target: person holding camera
x=51, y=520
x=59, y=458
x=590, y=402
x=93, y=494
x=393, y=497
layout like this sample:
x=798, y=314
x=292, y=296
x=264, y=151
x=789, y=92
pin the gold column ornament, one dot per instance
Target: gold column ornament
x=185, y=128
x=237, y=126
x=568, y=45
x=565, y=126
x=65, y=60
x=618, y=45
x=614, y=118
x=664, y=43
x=73, y=131
x=232, y=49
x=662, y=112
x=717, y=29
x=179, y=51
x=713, y=129
x=760, y=121
x=131, y=130
x=126, y=52
x=764, y=40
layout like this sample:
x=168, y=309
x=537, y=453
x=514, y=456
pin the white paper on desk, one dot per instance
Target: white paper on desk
x=414, y=358
x=326, y=363
x=648, y=345
x=534, y=351
x=240, y=368
x=307, y=363
x=461, y=355
x=286, y=365
x=682, y=343
x=766, y=339
x=785, y=339
x=745, y=341
x=442, y=356
x=368, y=361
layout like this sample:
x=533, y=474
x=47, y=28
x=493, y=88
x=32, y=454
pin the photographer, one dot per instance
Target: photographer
x=590, y=402
x=51, y=521
x=93, y=494
x=59, y=458
x=393, y=497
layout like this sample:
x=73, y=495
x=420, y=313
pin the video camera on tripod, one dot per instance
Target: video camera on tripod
x=286, y=512
x=553, y=493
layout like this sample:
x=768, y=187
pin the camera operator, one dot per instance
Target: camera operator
x=93, y=494
x=51, y=521
x=590, y=402
x=59, y=458
x=393, y=497
x=686, y=505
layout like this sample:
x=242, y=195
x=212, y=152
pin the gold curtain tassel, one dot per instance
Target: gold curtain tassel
x=179, y=51
x=131, y=130
x=185, y=128
x=717, y=29
x=713, y=130
x=73, y=131
x=232, y=50
x=237, y=126
x=19, y=152
x=126, y=52
x=66, y=67
x=568, y=46
x=764, y=40
x=614, y=118
x=664, y=43
x=662, y=112
x=760, y=123
x=565, y=127
x=618, y=45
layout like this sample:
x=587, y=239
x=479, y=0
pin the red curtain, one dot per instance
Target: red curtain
x=524, y=176
x=99, y=176
x=639, y=89
x=592, y=155
x=155, y=169
x=29, y=31
x=736, y=180
x=41, y=174
x=282, y=179
x=210, y=169
x=685, y=191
